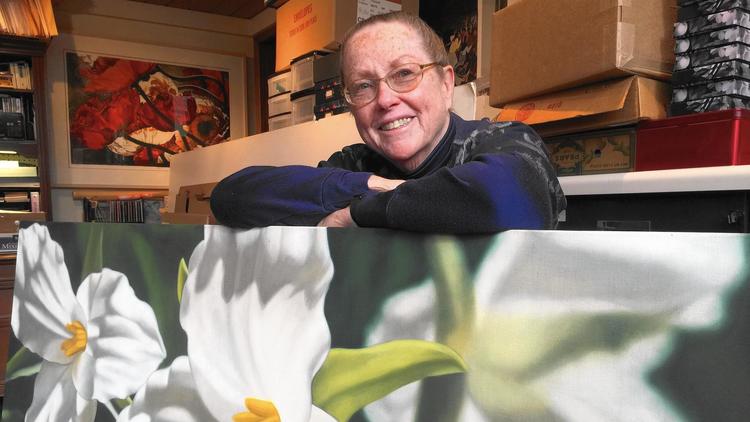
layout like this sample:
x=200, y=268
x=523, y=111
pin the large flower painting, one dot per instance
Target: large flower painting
x=130, y=112
x=179, y=323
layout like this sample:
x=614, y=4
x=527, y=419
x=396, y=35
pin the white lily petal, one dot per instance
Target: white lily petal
x=124, y=345
x=43, y=300
x=252, y=309
x=672, y=269
x=318, y=415
x=596, y=387
x=410, y=314
x=168, y=396
x=55, y=397
x=541, y=276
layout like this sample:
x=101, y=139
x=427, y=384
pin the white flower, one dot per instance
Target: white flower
x=532, y=354
x=252, y=308
x=169, y=395
x=99, y=344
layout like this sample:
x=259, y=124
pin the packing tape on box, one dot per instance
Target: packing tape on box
x=625, y=52
x=625, y=44
x=607, y=5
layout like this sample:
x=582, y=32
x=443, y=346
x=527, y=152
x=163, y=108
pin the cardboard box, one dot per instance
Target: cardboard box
x=541, y=46
x=596, y=106
x=610, y=151
x=306, y=25
x=195, y=199
x=471, y=102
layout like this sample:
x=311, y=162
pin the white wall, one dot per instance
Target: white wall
x=135, y=22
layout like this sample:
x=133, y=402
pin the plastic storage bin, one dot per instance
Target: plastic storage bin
x=302, y=71
x=282, y=120
x=279, y=83
x=279, y=104
x=303, y=106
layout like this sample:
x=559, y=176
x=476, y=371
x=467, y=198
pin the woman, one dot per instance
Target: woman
x=421, y=167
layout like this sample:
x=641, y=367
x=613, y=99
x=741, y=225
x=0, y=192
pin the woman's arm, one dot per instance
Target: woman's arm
x=261, y=196
x=505, y=182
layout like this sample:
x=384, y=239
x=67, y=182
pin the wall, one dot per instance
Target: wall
x=129, y=21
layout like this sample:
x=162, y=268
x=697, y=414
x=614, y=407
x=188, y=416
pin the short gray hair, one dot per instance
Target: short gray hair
x=431, y=41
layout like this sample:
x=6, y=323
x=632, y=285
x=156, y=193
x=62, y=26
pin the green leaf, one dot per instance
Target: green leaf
x=120, y=404
x=182, y=273
x=22, y=364
x=92, y=259
x=455, y=293
x=353, y=378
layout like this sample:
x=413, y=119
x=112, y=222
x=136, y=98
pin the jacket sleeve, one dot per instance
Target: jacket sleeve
x=261, y=196
x=504, y=181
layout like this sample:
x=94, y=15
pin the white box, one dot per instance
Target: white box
x=282, y=120
x=302, y=71
x=279, y=83
x=279, y=104
x=303, y=109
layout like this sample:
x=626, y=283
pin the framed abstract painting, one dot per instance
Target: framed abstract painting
x=121, y=110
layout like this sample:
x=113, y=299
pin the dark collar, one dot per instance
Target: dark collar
x=439, y=156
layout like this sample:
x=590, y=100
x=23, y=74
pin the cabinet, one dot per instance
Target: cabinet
x=7, y=275
x=720, y=211
x=707, y=199
x=24, y=178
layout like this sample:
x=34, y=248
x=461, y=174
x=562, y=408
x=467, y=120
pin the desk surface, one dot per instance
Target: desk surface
x=679, y=180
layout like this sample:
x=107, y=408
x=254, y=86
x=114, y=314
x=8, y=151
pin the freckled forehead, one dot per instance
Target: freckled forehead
x=380, y=46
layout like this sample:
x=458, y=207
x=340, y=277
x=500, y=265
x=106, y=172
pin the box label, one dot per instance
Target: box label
x=607, y=154
x=567, y=157
x=367, y=8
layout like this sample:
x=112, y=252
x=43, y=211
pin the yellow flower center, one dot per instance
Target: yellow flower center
x=257, y=411
x=76, y=343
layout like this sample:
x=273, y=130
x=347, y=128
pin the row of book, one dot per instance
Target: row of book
x=19, y=201
x=9, y=104
x=27, y=18
x=15, y=75
x=114, y=211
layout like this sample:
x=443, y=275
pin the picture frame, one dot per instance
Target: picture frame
x=63, y=172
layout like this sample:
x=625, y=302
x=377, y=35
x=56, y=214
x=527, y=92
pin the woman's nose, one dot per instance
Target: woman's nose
x=386, y=97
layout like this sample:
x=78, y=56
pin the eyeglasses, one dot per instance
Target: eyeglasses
x=404, y=78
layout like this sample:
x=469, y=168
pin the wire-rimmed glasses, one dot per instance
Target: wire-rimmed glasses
x=404, y=78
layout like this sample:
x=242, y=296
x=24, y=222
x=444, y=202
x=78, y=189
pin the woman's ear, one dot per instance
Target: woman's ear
x=449, y=79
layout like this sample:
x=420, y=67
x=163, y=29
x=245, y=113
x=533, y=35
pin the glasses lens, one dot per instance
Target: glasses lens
x=361, y=92
x=404, y=78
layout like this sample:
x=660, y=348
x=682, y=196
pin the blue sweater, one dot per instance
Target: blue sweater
x=482, y=177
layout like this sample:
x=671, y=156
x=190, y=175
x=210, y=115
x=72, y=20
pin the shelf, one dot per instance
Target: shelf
x=18, y=181
x=16, y=141
x=19, y=185
x=725, y=178
x=6, y=90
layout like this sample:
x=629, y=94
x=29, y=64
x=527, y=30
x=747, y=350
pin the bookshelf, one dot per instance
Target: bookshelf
x=24, y=178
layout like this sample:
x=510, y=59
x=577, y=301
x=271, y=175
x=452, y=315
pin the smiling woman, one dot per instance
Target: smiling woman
x=421, y=167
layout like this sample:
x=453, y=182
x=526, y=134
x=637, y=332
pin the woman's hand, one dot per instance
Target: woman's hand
x=381, y=184
x=340, y=218
x=343, y=217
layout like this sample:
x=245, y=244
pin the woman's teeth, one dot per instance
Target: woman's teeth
x=396, y=124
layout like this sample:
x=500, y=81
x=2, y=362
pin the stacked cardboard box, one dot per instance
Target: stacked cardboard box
x=306, y=25
x=712, y=66
x=570, y=67
x=574, y=65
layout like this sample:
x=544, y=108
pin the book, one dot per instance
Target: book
x=8, y=242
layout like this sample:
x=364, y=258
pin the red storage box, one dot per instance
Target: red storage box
x=718, y=138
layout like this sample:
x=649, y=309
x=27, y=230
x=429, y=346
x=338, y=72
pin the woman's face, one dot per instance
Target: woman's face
x=403, y=127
